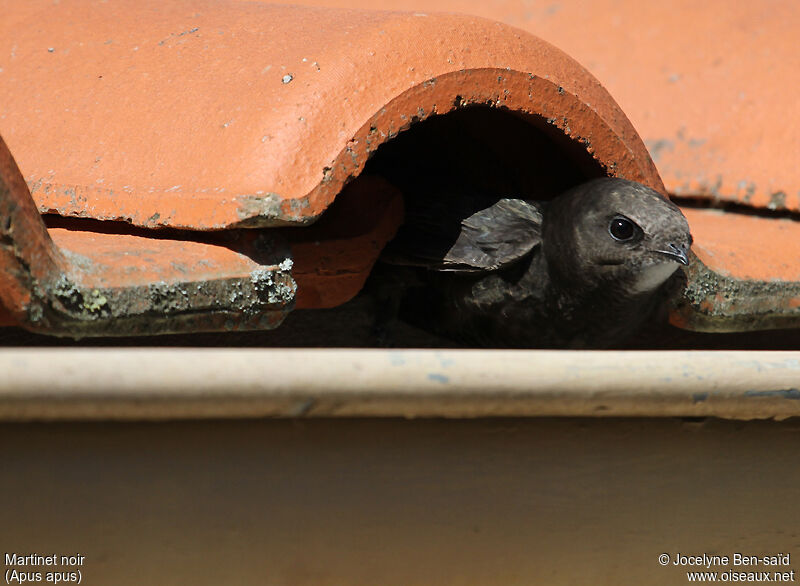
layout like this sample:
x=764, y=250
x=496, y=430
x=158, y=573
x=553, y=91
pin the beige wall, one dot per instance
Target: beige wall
x=374, y=502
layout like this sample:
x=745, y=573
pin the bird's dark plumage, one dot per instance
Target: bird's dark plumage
x=586, y=269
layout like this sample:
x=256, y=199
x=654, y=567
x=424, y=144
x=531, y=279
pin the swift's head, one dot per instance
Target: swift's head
x=610, y=229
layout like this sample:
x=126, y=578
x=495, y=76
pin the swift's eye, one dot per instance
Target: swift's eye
x=621, y=229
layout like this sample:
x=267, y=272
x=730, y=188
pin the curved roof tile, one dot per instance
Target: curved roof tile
x=217, y=115
x=229, y=113
x=708, y=85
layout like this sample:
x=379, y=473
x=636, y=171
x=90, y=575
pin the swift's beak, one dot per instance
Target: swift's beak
x=676, y=253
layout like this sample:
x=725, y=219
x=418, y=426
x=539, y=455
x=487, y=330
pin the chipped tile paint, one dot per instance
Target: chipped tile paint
x=792, y=393
x=268, y=210
x=444, y=361
x=439, y=378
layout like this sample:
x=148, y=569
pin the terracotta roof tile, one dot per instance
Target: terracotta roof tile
x=220, y=116
x=217, y=114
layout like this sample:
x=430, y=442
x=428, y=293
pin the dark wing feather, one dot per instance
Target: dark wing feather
x=485, y=240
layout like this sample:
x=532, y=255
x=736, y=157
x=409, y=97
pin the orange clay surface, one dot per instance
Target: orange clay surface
x=746, y=247
x=710, y=86
x=83, y=278
x=329, y=265
x=243, y=114
x=746, y=275
x=330, y=260
x=210, y=114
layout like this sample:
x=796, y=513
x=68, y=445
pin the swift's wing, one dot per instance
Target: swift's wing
x=461, y=238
